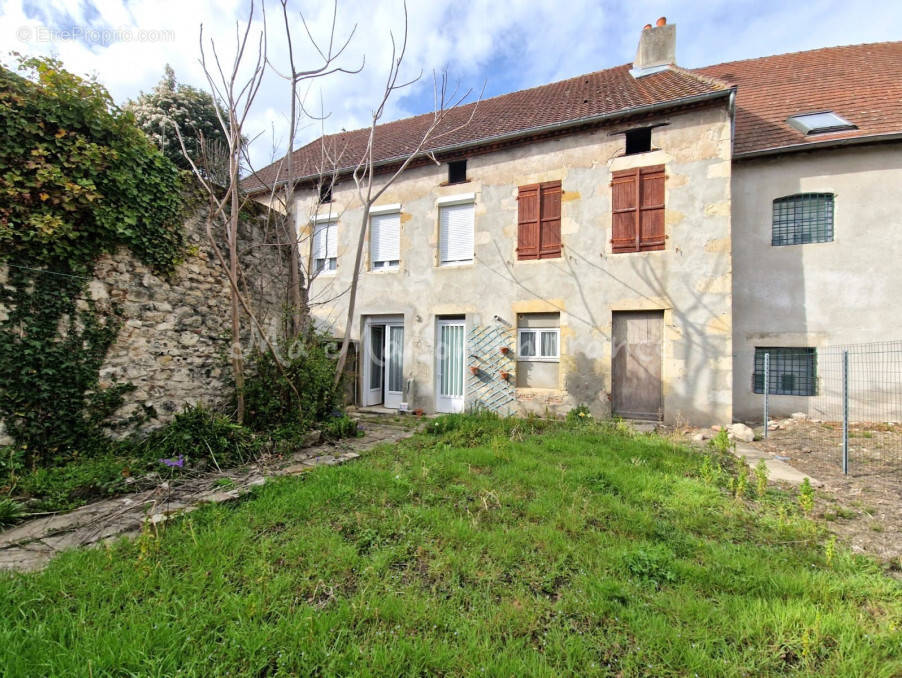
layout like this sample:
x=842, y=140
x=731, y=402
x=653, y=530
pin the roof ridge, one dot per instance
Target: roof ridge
x=801, y=51
x=703, y=77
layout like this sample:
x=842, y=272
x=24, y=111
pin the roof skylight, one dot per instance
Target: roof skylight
x=818, y=123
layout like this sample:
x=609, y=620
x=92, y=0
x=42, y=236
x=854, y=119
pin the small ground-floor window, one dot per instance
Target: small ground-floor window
x=538, y=350
x=791, y=370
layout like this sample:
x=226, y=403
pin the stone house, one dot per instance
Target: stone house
x=626, y=239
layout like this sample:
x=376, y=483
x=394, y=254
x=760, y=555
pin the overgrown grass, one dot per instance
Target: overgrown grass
x=196, y=440
x=484, y=547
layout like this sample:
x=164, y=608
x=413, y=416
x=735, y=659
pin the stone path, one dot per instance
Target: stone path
x=32, y=545
x=778, y=469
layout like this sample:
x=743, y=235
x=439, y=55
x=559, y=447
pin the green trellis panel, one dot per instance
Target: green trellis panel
x=487, y=389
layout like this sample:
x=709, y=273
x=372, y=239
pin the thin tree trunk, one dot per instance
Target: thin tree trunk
x=237, y=354
x=352, y=300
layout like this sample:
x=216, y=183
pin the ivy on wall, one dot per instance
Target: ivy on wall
x=78, y=179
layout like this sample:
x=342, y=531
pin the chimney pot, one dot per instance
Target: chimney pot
x=646, y=27
x=662, y=21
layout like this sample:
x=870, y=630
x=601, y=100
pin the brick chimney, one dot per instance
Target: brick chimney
x=657, y=49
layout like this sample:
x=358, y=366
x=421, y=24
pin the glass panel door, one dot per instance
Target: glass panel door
x=394, y=366
x=450, y=364
x=375, y=364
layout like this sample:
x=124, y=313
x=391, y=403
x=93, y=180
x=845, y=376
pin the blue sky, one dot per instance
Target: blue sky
x=504, y=45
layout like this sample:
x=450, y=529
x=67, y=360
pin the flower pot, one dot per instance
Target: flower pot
x=474, y=370
x=505, y=350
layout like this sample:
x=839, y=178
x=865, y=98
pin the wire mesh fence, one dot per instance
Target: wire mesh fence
x=853, y=409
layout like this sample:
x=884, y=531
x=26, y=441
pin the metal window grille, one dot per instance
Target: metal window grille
x=803, y=218
x=793, y=371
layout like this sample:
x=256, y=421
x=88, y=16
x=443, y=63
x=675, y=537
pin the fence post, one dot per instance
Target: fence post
x=845, y=412
x=766, y=389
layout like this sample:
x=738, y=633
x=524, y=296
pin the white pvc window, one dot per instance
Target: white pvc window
x=456, y=229
x=539, y=344
x=385, y=241
x=325, y=246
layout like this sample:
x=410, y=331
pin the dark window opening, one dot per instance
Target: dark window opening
x=325, y=192
x=638, y=140
x=802, y=219
x=791, y=371
x=457, y=172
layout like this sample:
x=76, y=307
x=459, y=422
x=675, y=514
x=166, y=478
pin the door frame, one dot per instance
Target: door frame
x=450, y=403
x=662, y=314
x=386, y=398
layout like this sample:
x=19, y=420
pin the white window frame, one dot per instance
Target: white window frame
x=537, y=342
x=325, y=265
x=385, y=264
x=468, y=199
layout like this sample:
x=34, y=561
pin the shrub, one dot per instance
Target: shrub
x=196, y=434
x=10, y=512
x=271, y=402
x=340, y=426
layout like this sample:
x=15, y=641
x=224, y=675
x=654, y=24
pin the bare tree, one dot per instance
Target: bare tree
x=235, y=89
x=236, y=92
x=329, y=55
x=364, y=172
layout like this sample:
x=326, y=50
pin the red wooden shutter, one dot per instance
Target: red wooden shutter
x=550, y=228
x=624, y=204
x=651, y=208
x=637, y=200
x=528, y=222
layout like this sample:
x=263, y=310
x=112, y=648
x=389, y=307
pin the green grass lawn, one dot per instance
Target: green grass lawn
x=485, y=548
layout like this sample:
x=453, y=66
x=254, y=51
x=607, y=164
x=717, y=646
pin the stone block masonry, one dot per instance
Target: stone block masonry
x=174, y=341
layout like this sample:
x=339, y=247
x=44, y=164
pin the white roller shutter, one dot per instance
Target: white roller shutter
x=385, y=237
x=325, y=240
x=456, y=228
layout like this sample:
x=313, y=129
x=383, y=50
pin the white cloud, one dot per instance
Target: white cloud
x=511, y=44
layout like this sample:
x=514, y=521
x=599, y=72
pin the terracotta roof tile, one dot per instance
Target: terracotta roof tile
x=609, y=91
x=861, y=83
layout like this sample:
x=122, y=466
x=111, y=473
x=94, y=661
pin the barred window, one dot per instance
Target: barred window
x=803, y=218
x=791, y=371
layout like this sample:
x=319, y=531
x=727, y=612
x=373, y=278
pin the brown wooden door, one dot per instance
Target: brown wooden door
x=636, y=365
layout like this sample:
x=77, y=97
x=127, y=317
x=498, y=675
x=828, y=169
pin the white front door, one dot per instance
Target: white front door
x=450, y=365
x=383, y=373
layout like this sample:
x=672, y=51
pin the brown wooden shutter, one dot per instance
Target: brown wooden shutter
x=528, y=222
x=550, y=222
x=651, y=208
x=637, y=201
x=624, y=216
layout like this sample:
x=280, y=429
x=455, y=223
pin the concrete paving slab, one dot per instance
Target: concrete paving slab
x=779, y=470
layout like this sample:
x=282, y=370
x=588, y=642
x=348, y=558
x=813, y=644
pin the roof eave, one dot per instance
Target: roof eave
x=818, y=145
x=542, y=129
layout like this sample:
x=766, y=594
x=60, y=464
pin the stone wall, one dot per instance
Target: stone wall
x=174, y=341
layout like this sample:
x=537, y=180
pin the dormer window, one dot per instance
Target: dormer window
x=820, y=123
